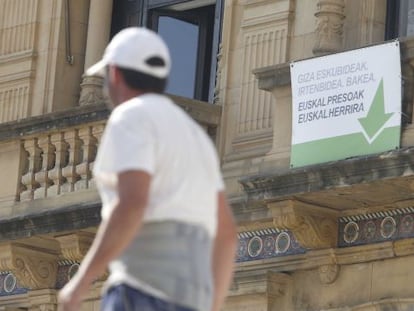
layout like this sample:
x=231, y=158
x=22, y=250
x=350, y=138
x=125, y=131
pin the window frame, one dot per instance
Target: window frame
x=392, y=19
x=202, y=63
x=130, y=11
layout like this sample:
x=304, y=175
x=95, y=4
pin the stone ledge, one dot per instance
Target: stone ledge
x=358, y=170
x=273, y=76
x=206, y=114
x=68, y=218
x=53, y=121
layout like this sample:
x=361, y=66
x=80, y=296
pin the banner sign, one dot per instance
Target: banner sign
x=346, y=104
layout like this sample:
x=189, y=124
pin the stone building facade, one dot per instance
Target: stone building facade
x=335, y=236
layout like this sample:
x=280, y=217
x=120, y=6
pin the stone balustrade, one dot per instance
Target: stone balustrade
x=57, y=151
x=59, y=161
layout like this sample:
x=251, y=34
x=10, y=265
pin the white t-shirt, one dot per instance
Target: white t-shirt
x=151, y=133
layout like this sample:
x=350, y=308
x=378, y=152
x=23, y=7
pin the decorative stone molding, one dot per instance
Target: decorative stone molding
x=395, y=304
x=74, y=246
x=314, y=227
x=270, y=289
x=34, y=267
x=380, y=226
x=329, y=26
x=43, y=300
x=217, y=89
x=404, y=247
x=266, y=243
x=328, y=273
x=270, y=283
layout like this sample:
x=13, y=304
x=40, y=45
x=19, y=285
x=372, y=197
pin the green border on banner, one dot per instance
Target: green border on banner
x=342, y=147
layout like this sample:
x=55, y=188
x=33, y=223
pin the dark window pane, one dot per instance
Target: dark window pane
x=182, y=39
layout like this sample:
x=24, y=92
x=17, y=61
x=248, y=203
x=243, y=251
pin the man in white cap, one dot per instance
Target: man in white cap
x=167, y=232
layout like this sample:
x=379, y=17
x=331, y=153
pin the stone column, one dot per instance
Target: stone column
x=100, y=13
x=329, y=28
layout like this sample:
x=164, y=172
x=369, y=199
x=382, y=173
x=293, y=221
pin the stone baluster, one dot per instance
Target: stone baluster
x=97, y=132
x=329, y=28
x=89, y=145
x=28, y=177
x=61, y=158
x=48, y=159
x=69, y=171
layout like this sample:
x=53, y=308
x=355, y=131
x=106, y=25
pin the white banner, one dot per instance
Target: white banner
x=343, y=97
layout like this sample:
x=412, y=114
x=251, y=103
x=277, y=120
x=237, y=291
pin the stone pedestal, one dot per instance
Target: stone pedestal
x=100, y=13
x=329, y=28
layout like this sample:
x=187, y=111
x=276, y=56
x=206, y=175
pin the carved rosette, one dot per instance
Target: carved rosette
x=328, y=273
x=33, y=268
x=329, y=26
x=313, y=227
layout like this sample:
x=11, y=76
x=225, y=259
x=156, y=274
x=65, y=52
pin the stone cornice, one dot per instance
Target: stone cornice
x=273, y=76
x=278, y=186
x=67, y=218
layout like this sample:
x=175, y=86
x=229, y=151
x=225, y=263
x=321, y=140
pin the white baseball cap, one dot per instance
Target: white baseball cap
x=138, y=49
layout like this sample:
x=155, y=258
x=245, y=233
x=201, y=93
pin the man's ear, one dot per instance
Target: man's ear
x=114, y=74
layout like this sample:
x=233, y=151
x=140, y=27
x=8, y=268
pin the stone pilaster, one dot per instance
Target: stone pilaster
x=329, y=26
x=34, y=267
x=314, y=227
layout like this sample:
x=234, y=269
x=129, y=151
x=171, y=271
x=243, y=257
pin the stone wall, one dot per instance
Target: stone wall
x=42, y=52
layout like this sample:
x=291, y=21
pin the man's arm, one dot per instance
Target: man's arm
x=224, y=252
x=113, y=236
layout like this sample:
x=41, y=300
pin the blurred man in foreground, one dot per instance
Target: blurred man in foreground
x=167, y=232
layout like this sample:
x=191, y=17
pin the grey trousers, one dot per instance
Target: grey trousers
x=174, y=258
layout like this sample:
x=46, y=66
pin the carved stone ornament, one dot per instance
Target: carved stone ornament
x=329, y=26
x=91, y=90
x=74, y=246
x=314, y=227
x=34, y=268
x=328, y=273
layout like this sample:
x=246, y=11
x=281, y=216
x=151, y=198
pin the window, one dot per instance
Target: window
x=400, y=19
x=192, y=31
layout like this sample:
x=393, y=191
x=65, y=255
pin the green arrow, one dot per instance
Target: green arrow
x=376, y=116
